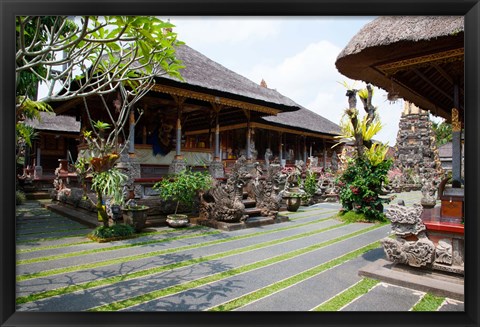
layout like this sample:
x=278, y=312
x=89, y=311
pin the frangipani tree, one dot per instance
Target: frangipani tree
x=78, y=57
x=95, y=56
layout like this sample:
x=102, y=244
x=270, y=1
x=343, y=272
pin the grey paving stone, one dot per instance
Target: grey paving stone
x=452, y=305
x=39, y=243
x=52, y=282
x=204, y=297
x=96, y=257
x=311, y=292
x=95, y=245
x=385, y=297
x=35, y=237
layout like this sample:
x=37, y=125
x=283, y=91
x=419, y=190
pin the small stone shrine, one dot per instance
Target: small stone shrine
x=421, y=242
x=416, y=153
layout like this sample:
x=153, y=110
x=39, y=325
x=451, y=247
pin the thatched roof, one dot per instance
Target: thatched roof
x=209, y=75
x=388, y=30
x=418, y=57
x=306, y=120
x=49, y=121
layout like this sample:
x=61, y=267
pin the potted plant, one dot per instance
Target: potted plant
x=293, y=194
x=184, y=188
x=135, y=215
x=293, y=200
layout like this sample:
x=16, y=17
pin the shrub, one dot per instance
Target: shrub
x=360, y=186
x=184, y=186
x=20, y=197
x=310, y=183
x=115, y=231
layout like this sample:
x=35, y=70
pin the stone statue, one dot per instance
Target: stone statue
x=267, y=193
x=407, y=224
x=268, y=156
x=223, y=202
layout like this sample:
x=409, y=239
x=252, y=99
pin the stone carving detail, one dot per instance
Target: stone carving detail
x=429, y=188
x=405, y=220
x=416, y=153
x=267, y=193
x=414, y=253
x=223, y=202
x=411, y=245
x=444, y=252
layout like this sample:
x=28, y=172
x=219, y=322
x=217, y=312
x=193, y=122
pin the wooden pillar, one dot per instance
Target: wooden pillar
x=37, y=162
x=217, y=141
x=131, y=135
x=456, y=140
x=179, y=101
x=216, y=109
x=280, y=147
x=144, y=135
x=178, y=154
x=249, y=136
x=324, y=155
x=305, y=149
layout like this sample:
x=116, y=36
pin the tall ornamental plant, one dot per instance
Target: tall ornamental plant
x=361, y=182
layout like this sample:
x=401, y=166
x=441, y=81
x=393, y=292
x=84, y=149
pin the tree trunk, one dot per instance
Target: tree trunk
x=101, y=210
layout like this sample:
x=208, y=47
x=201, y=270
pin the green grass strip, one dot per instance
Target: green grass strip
x=153, y=254
x=138, y=235
x=119, y=305
x=167, y=251
x=429, y=302
x=151, y=271
x=112, y=248
x=347, y=296
x=278, y=286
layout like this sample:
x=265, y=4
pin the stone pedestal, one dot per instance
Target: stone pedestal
x=177, y=166
x=131, y=167
x=38, y=172
x=216, y=169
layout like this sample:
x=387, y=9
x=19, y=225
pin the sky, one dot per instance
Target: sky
x=294, y=55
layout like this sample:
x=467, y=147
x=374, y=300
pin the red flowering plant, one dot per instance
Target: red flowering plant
x=360, y=186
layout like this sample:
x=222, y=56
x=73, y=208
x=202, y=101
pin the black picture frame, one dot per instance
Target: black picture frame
x=10, y=8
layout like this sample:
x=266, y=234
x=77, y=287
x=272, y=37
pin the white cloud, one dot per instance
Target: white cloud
x=202, y=31
x=307, y=76
x=299, y=75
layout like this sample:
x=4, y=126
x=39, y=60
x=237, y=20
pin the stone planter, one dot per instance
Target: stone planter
x=293, y=203
x=135, y=217
x=177, y=220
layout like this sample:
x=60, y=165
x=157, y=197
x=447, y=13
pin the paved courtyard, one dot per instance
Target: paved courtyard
x=308, y=263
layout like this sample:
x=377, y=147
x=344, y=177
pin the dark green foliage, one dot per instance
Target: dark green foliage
x=184, y=186
x=360, y=186
x=20, y=197
x=119, y=230
x=443, y=133
x=310, y=183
